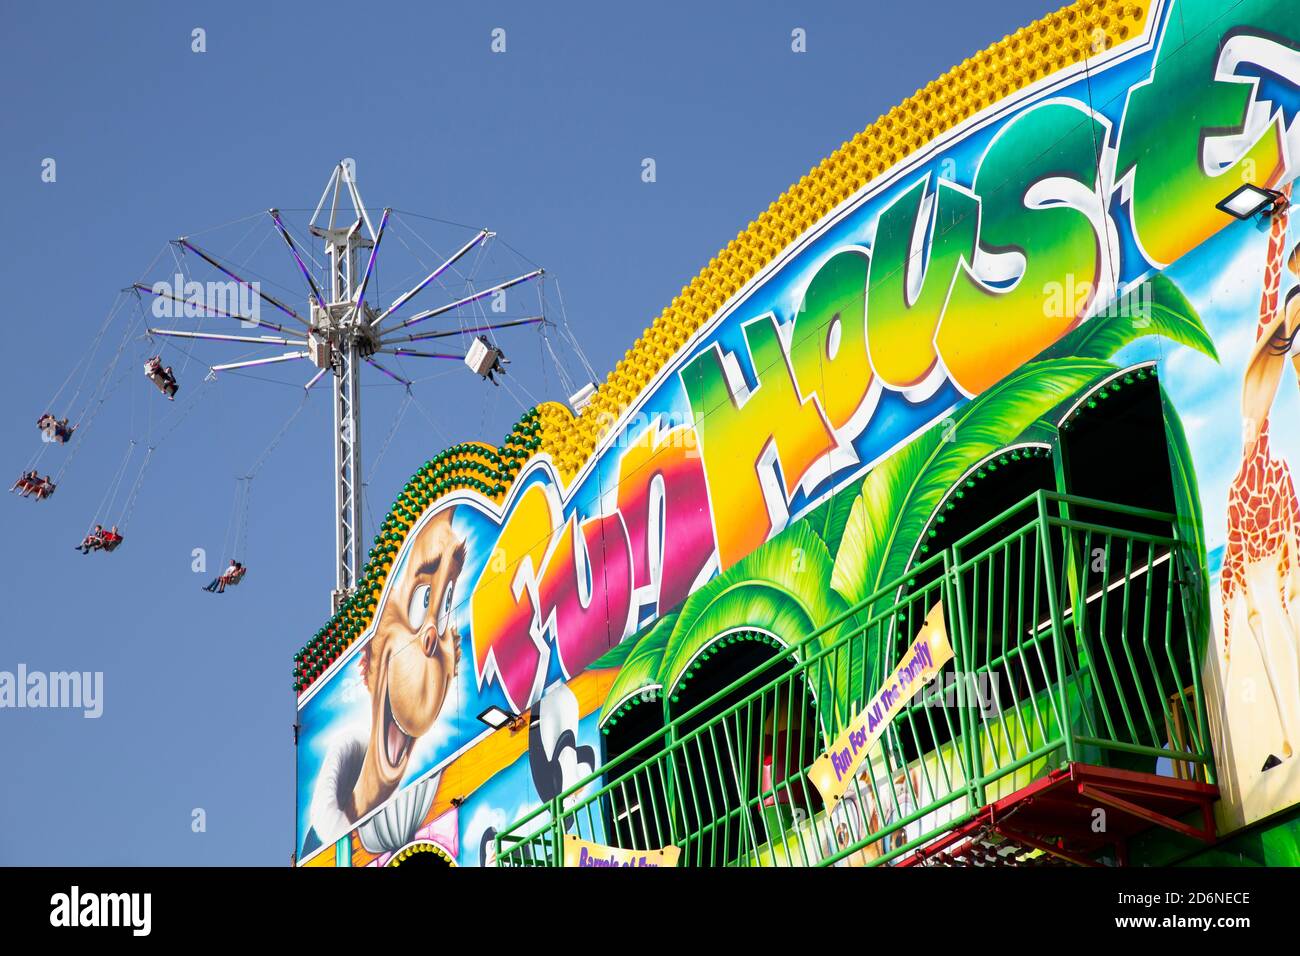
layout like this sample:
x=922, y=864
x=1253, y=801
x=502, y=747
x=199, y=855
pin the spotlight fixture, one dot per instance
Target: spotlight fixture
x=1248, y=201
x=495, y=717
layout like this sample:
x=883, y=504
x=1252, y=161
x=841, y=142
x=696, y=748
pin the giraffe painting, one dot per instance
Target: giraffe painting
x=1260, y=582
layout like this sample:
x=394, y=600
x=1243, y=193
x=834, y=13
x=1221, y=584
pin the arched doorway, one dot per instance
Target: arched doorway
x=740, y=781
x=1001, y=666
x=637, y=810
x=1114, y=447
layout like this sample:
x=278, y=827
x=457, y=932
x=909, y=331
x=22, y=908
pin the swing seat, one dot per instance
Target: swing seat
x=54, y=430
x=485, y=359
x=109, y=541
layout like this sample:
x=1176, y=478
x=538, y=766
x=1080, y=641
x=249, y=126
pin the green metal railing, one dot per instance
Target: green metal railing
x=1072, y=623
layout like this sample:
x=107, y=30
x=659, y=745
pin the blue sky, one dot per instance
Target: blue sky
x=544, y=143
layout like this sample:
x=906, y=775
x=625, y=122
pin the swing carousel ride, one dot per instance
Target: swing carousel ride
x=455, y=289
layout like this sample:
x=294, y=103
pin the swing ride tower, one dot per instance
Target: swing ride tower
x=341, y=331
x=342, y=334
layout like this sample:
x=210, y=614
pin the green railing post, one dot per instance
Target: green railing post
x=557, y=831
x=1197, y=619
x=971, y=751
x=1054, y=612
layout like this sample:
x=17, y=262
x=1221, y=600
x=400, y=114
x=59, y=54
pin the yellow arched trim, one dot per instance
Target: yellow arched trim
x=1047, y=46
x=423, y=846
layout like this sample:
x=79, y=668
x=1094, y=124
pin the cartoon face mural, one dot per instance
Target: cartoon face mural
x=411, y=662
x=408, y=669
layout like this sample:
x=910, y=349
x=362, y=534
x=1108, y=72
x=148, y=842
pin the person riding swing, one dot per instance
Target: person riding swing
x=26, y=483
x=162, y=377
x=55, y=429
x=228, y=578
x=92, y=541
x=32, y=484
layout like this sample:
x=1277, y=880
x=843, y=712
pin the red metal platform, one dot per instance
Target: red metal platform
x=1070, y=816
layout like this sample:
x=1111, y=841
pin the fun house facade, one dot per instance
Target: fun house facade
x=946, y=516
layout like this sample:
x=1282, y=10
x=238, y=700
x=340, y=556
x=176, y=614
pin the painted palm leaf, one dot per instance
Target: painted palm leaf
x=1171, y=315
x=830, y=517
x=1043, y=431
x=779, y=588
x=640, y=667
x=898, y=498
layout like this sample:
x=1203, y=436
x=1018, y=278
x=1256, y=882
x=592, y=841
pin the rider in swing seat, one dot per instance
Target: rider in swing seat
x=162, y=377
x=55, y=429
x=228, y=578
x=26, y=483
x=111, y=539
x=42, y=488
x=93, y=541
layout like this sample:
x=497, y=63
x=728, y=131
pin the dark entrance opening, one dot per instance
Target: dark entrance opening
x=1002, y=664
x=1113, y=447
x=1128, y=594
x=636, y=805
x=741, y=782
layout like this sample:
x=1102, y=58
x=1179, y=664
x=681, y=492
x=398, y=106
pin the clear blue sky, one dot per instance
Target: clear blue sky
x=152, y=141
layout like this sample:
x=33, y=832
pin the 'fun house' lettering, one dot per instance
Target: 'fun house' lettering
x=962, y=284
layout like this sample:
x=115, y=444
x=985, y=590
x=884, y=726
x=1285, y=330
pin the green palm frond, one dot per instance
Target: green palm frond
x=779, y=588
x=829, y=518
x=898, y=497
x=641, y=666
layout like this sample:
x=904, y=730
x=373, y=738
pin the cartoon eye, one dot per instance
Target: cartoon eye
x=418, y=609
x=444, y=612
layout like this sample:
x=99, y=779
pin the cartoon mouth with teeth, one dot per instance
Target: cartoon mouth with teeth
x=411, y=662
